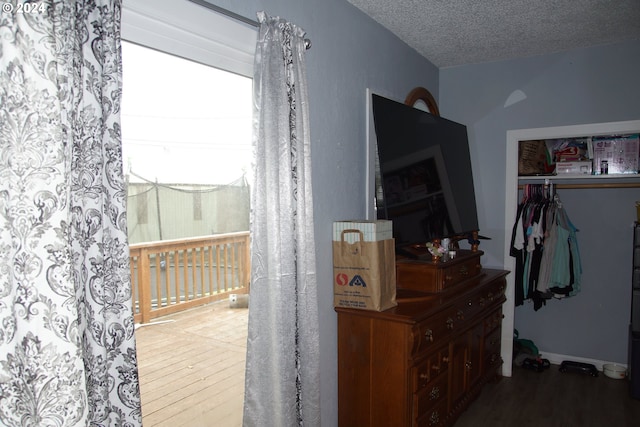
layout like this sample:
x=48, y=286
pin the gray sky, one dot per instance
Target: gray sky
x=183, y=122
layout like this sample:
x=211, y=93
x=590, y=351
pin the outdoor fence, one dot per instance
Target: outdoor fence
x=174, y=275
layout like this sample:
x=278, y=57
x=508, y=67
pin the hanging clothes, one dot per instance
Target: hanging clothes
x=545, y=246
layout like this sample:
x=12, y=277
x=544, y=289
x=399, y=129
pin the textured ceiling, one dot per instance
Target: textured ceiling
x=459, y=32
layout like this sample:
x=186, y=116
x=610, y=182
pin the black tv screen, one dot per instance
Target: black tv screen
x=426, y=182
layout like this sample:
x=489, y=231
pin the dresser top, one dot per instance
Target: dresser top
x=413, y=306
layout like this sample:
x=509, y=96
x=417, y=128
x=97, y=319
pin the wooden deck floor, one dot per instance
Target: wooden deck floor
x=191, y=367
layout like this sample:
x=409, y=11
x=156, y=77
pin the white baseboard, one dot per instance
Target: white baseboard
x=556, y=359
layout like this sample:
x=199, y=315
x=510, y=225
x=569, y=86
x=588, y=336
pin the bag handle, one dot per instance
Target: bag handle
x=355, y=248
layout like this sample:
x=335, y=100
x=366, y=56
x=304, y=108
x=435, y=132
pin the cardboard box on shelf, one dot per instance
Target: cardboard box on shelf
x=574, y=168
x=534, y=158
x=621, y=153
x=570, y=149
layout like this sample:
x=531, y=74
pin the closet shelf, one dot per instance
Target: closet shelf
x=585, y=181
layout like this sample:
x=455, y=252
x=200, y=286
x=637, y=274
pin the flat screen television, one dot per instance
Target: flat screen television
x=425, y=184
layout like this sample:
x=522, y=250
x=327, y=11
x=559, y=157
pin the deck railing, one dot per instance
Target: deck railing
x=173, y=275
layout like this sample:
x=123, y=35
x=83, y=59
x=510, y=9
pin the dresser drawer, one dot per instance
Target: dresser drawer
x=430, y=399
x=469, y=307
x=435, y=331
x=490, y=296
x=491, y=352
x=434, y=417
x=496, y=292
x=492, y=342
x=433, y=368
x=436, y=277
x=493, y=321
x=492, y=362
x=456, y=273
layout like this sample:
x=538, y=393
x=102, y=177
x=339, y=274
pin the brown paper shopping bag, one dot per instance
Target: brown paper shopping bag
x=364, y=273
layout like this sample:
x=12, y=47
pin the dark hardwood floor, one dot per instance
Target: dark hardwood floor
x=552, y=398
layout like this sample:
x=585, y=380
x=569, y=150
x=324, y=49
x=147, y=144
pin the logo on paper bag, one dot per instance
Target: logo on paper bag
x=342, y=280
x=357, y=281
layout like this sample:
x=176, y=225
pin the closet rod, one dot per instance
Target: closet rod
x=233, y=15
x=585, y=186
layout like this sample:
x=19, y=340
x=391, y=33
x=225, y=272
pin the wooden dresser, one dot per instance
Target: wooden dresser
x=420, y=363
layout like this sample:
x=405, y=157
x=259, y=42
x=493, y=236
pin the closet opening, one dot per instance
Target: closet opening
x=512, y=183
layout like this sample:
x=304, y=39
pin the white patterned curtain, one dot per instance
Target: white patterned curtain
x=282, y=374
x=67, y=351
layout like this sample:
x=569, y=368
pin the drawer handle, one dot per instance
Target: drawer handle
x=424, y=376
x=434, y=419
x=435, y=393
x=463, y=270
x=428, y=334
x=460, y=315
x=468, y=365
x=469, y=303
x=450, y=323
x=481, y=302
x=436, y=368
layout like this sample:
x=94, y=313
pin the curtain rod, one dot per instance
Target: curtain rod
x=592, y=185
x=237, y=17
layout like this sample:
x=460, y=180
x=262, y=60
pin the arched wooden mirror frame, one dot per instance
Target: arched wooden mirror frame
x=421, y=94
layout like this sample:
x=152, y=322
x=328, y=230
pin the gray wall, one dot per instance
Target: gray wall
x=593, y=85
x=350, y=53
